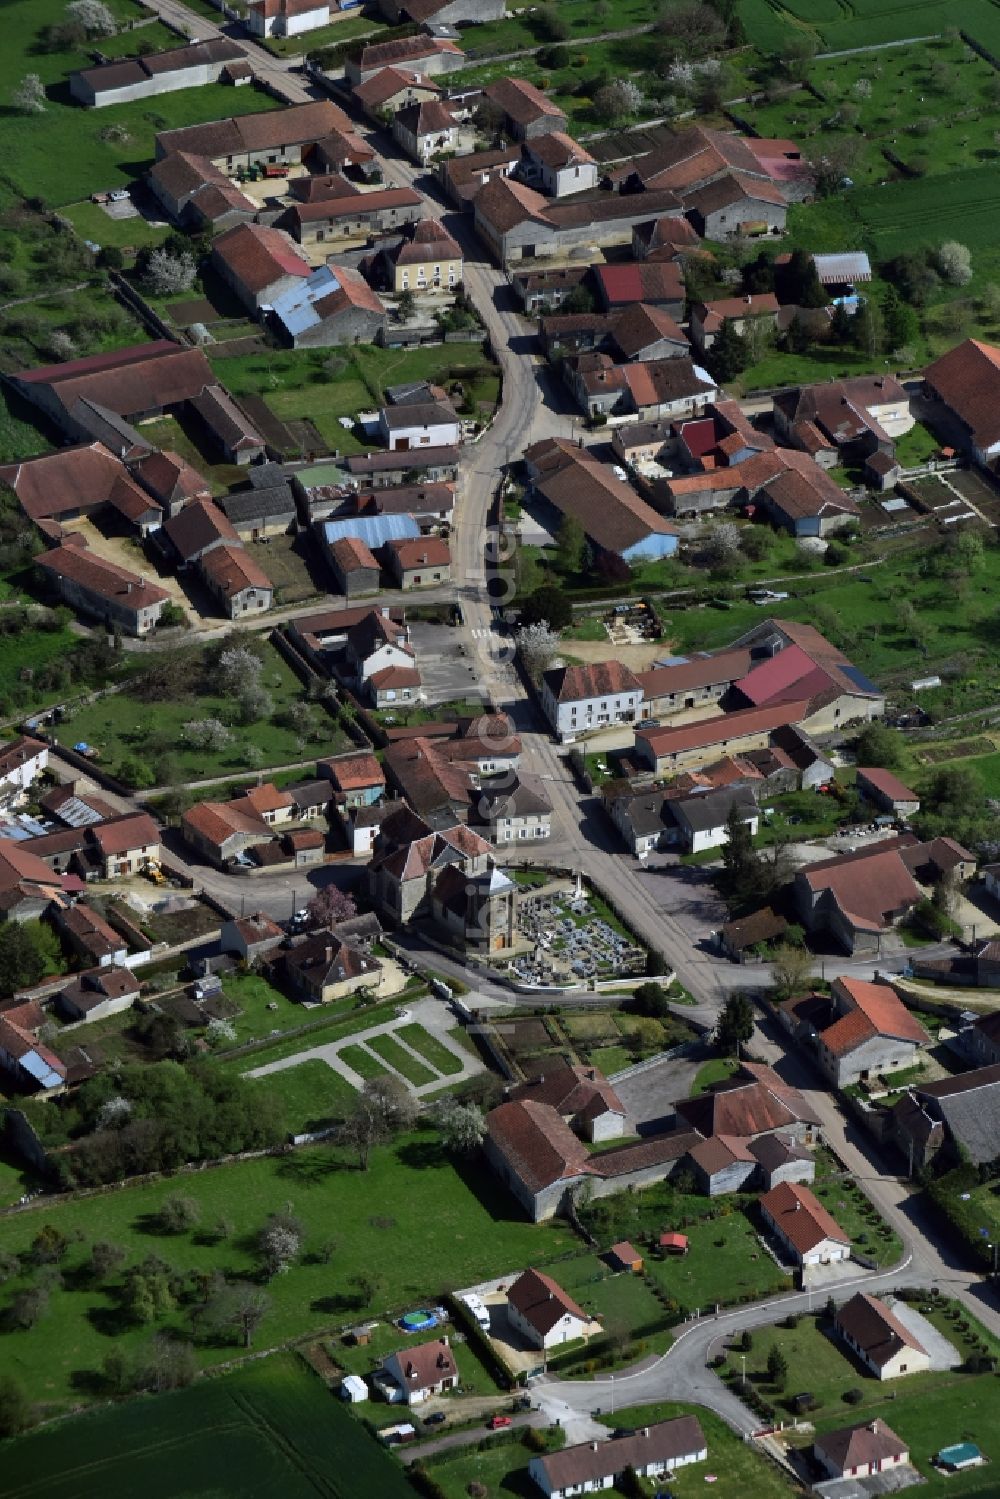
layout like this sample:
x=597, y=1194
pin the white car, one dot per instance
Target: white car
x=120, y=195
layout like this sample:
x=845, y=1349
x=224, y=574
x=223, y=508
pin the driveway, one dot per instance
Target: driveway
x=447, y=671
x=943, y=1355
x=649, y=1092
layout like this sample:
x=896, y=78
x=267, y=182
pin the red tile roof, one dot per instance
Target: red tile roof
x=708, y=732
x=967, y=379
x=258, y=256
x=569, y=684
x=412, y=552
x=882, y=1006
x=125, y=834
x=801, y=1217
x=888, y=784
x=104, y=579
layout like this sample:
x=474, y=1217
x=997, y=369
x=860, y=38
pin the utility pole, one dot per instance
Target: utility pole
x=612, y=1394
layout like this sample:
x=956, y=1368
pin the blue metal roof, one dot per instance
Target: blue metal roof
x=373, y=530
x=296, y=308
x=857, y=676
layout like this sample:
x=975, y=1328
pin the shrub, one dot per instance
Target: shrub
x=853, y=1396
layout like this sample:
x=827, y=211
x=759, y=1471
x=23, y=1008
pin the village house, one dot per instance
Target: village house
x=615, y=519
x=123, y=600
x=221, y=831
x=413, y=1375
x=333, y=306
x=123, y=846
x=354, y=566
x=418, y=54
x=250, y=937
x=427, y=258
x=265, y=508
x=33, y=1065
x=877, y=1337
x=859, y=897
x=540, y=1310
x=860, y=1451
x=515, y=808
x=428, y=129
x=655, y=283
x=887, y=792
x=94, y=941
x=558, y=165
x=323, y=968
x=964, y=387
x=649, y=1452
x=195, y=531
x=259, y=264
x=961, y=1112
x=419, y=561
x=357, y=777
x=22, y=761
x=703, y=818
x=517, y=223
x=528, y=113
x=582, y=1096
x=803, y=1226
x=751, y=1103
x=273, y=137
x=742, y=314
x=462, y=177
x=541, y=1161
x=195, y=194
x=579, y=699
x=354, y=216
x=97, y=994
x=391, y=89
x=60, y=487
x=402, y=466
x=126, y=78
x=430, y=424
x=860, y=1031
x=844, y=421
x=241, y=586
x=281, y=18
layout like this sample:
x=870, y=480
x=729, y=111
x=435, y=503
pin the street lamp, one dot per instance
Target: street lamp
x=612, y=1394
x=994, y=1248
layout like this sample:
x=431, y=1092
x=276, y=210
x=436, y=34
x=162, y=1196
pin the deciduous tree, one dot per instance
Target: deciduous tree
x=331, y=905
x=29, y=96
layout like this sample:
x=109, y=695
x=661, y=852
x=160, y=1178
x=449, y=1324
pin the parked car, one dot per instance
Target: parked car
x=496, y=1422
x=435, y=1418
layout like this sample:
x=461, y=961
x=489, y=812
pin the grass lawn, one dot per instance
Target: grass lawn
x=861, y=612
x=724, y=1261
x=860, y=1219
x=29, y=651
x=430, y=1048
x=363, y=1062
x=737, y=1468
x=324, y=36
x=254, y=994
x=337, y=1021
x=91, y=222
x=967, y=1410
x=819, y=1363
x=624, y=1301
x=450, y=1224
x=610, y=1059
x=714, y=1071
x=122, y=727
x=501, y=1466
x=389, y=1049
x=19, y=437
x=63, y=155
x=296, y=385
x=313, y=1095
x=272, y=1428
x=517, y=31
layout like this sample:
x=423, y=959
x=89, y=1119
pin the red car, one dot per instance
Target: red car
x=496, y=1422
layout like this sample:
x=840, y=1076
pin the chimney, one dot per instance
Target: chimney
x=797, y=1204
x=645, y=1431
x=873, y=1427
x=328, y=954
x=593, y=1446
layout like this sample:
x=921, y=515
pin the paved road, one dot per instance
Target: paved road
x=275, y=71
